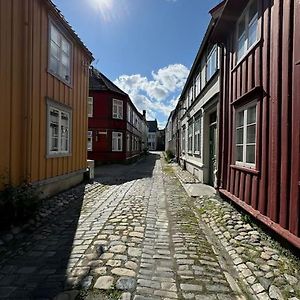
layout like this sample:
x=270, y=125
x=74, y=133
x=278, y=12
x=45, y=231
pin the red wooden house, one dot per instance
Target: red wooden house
x=117, y=131
x=259, y=111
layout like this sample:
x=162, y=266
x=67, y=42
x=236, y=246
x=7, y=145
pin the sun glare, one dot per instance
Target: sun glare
x=104, y=7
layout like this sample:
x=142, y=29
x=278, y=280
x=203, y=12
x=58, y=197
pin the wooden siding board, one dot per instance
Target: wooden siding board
x=294, y=207
x=36, y=83
x=237, y=183
x=275, y=111
x=262, y=205
x=16, y=97
x=43, y=89
x=248, y=183
x=285, y=115
x=5, y=85
x=242, y=186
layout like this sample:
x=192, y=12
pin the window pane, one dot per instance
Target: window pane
x=54, y=50
x=65, y=60
x=250, y=154
x=240, y=136
x=241, y=46
x=239, y=153
x=55, y=36
x=54, y=65
x=251, y=115
x=253, y=12
x=251, y=134
x=66, y=46
x=241, y=28
x=240, y=119
x=64, y=131
x=252, y=33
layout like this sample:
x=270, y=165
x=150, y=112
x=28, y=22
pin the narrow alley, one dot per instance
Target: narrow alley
x=132, y=234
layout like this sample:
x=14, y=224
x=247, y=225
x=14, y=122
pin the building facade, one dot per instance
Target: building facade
x=44, y=85
x=117, y=132
x=198, y=112
x=152, y=135
x=259, y=111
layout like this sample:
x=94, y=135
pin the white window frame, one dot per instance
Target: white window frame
x=212, y=63
x=118, y=136
x=183, y=136
x=245, y=18
x=245, y=126
x=61, y=55
x=90, y=107
x=197, y=85
x=197, y=135
x=90, y=140
x=117, y=109
x=61, y=109
x=190, y=137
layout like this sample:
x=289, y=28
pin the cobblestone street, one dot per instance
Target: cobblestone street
x=135, y=234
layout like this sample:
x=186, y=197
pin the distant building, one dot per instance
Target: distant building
x=44, y=90
x=152, y=135
x=161, y=140
x=117, y=130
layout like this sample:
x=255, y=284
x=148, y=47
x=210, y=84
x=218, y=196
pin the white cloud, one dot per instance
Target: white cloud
x=157, y=94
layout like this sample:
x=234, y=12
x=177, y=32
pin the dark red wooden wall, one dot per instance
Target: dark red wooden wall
x=270, y=74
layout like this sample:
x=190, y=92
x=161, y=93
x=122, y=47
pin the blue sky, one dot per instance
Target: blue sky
x=145, y=46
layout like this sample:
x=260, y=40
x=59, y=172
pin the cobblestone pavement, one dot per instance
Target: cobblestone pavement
x=133, y=234
x=267, y=269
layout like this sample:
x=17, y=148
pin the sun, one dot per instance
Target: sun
x=104, y=7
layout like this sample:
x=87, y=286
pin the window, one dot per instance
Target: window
x=90, y=107
x=117, y=109
x=90, y=141
x=190, y=137
x=117, y=141
x=245, y=137
x=197, y=85
x=197, y=136
x=59, y=54
x=190, y=95
x=247, y=29
x=183, y=139
x=128, y=143
x=128, y=113
x=211, y=66
x=58, y=129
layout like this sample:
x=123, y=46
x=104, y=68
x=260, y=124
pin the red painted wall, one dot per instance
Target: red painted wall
x=103, y=122
x=271, y=191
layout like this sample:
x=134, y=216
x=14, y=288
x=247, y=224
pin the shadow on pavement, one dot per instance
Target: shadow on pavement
x=35, y=263
x=116, y=174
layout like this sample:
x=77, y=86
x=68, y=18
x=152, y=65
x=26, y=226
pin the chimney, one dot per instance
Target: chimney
x=144, y=114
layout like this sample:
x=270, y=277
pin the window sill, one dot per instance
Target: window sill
x=197, y=153
x=244, y=57
x=245, y=168
x=57, y=155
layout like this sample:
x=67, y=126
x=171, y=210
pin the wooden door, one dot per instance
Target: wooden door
x=212, y=148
